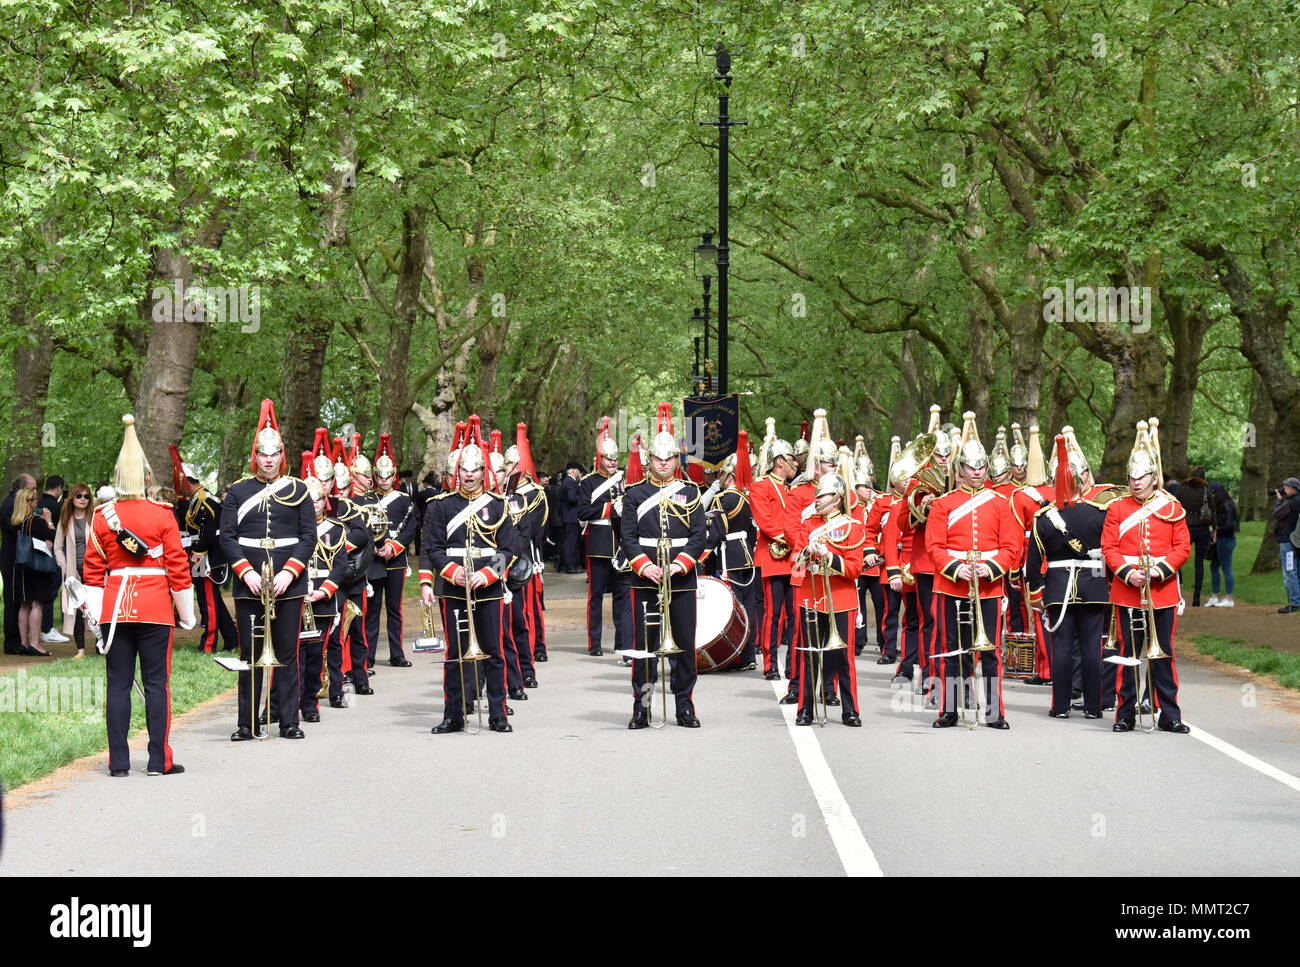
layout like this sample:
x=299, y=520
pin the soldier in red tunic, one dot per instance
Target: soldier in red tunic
x=135, y=570
x=1145, y=541
x=767, y=500
x=972, y=536
x=831, y=541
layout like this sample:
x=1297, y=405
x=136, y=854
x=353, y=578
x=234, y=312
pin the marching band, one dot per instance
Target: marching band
x=968, y=568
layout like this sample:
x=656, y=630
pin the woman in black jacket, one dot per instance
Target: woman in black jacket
x=1226, y=525
x=32, y=588
x=1194, y=494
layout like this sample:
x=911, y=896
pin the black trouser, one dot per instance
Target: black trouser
x=778, y=603
x=570, y=562
x=358, y=650
x=958, y=668
x=645, y=671
x=388, y=587
x=889, y=620
x=536, y=620
x=747, y=594
x=1162, y=672
x=460, y=678
x=153, y=645
x=602, y=578
x=214, y=616
x=1200, y=547
x=872, y=587
x=836, y=667
x=917, y=629
x=47, y=615
x=1077, y=639
x=520, y=636
x=313, y=658
x=285, y=627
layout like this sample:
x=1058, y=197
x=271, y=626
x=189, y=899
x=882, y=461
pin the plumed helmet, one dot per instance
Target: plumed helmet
x=829, y=483
x=385, y=465
x=497, y=461
x=864, y=473
x=470, y=457
x=361, y=466
x=1018, y=455
x=664, y=445
x=131, y=474
x=315, y=488
x=512, y=454
x=824, y=451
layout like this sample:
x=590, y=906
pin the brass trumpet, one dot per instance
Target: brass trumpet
x=465, y=626
x=979, y=640
x=662, y=617
x=1143, y=620
x=820, y=568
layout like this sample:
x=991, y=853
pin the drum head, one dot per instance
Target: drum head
x=712, y=610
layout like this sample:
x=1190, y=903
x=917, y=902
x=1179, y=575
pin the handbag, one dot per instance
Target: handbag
x=27, y=555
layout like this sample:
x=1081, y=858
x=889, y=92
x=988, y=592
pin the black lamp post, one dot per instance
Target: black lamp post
x=722, y=59
x=707, y=252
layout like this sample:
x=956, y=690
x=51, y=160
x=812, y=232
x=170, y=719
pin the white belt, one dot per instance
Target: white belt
x=317, y=572
x=961, y=555
x=187, y=540
x=737, y=536
x=267, y=543
x=1132, y=559
x=1090, y=564
x=477, y=552
x=654, y=541
x=599, y=521
x=131, y=572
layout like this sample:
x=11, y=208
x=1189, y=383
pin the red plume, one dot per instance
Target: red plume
x=635, y=471
x=665, y=421
x=474, y=435
x=1065, y=493
x=601, y=435
x=385, y=447
x=495, y=445
x=744, y=474
x=266, y=418
x=803, y=431
x=322, y=444
x=525, y=467
x=306, y=465
x=179, y=483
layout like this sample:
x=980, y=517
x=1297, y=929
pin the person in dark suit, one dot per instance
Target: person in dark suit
x=51, y=500
x=570, y=499
x=8, y=539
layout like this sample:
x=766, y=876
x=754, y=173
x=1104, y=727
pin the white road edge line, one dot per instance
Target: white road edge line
x=1245, y=758
x=854, y=853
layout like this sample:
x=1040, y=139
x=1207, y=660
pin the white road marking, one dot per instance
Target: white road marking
x=1245, y=758
x=855, y=855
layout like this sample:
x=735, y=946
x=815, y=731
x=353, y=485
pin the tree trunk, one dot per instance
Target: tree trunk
x=1253, y=502
x=33, y=361
x=300, y=383
x=1187, y=327
x=1139, y=371
x=237, y=442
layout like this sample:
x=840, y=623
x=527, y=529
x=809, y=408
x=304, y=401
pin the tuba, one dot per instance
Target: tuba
x=916, y=462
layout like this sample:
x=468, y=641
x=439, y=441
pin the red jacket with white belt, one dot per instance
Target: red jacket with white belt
x=968, y=520
x=139, y=586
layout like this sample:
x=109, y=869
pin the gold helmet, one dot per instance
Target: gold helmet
x=314, y=487
x=942, y=441
x=801, y=444
x=470, y=457
x=1019, y=453
x=1142, y=460
x=267, y=439
x=1000, y=459
x=973, y=454
x=864, y=471
x=830, y=483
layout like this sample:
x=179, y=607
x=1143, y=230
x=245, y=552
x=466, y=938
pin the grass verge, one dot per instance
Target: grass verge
x=53, y=714
x=1280, y=666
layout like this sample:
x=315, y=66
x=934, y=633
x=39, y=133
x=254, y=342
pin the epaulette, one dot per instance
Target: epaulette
x=160, y=503
x=1104, y=498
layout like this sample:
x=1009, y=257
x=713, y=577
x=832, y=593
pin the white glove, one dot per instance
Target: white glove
x=95, y=603
x=184, y=602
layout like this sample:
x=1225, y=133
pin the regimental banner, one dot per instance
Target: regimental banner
x=709, y=436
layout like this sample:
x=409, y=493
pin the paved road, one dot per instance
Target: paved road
x=571, y=791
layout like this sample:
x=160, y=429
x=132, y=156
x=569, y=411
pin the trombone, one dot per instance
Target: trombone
x=266, y=660
x=819, y=565
x=972, y=617
x=465, y=626
x=1143, y=620
x=661, y=618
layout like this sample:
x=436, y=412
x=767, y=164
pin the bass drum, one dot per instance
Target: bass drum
x=721, y=626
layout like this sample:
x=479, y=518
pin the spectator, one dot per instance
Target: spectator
x=1194, y=494
x=9, y=538
x=1284, y=516
x=569, y=500
x=33, y=587
x=70, y=552
x=1226, y=525
x=51, y=500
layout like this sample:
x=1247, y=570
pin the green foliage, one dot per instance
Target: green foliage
x=1283, y=667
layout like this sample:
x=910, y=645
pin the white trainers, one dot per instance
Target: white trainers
x=1213, y=602
x=53, y=636
x=1226, y=603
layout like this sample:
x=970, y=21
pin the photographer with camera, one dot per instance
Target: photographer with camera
x=1285, y=513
